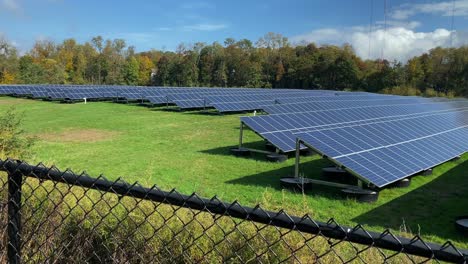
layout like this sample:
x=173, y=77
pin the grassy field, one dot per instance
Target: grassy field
x=189, y=151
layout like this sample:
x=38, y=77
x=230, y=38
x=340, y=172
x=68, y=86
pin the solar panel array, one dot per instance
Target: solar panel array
x=280, y=129
x=328, y=104
x=385, y=152
x=221, y=99
x=378, y=138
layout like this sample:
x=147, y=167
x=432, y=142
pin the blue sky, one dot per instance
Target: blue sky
x=417, y=25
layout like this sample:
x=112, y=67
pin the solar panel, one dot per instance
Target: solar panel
x=206, y=97
x=39, y=94
x=190, y=104
x=184, y=97
x=279, y=129
x=131, y=96
x=340, y=104
x=237, y=103
x=152, y=92
x=157, y=100
x=54, y=94
x=6, y=90
x=385, y=152
x=22, y=91
x=306, y=99
x=239, y=106
x=108, y=94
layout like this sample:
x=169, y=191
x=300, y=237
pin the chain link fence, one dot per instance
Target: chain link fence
x=53, y=216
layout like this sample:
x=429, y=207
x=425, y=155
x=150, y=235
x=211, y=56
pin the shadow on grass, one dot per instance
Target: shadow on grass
x=226, y=150
x=164, y=108
x=208, y=112
x=433, y=206
x=271, y=179
x=259, y=145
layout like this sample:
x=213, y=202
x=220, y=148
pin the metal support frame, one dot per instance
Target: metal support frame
x=298, y=158
x=241, y=138
x=360, y=183
x=320, y=182
x=241, y=134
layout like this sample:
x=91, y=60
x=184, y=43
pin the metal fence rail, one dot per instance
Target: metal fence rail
x=55, y=216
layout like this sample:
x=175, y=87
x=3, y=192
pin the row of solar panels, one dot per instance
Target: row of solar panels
x=222, y=99
x=379, y=141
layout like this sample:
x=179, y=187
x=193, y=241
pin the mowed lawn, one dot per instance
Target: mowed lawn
x=189, y=151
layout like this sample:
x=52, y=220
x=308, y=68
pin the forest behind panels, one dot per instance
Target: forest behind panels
x=270, y=62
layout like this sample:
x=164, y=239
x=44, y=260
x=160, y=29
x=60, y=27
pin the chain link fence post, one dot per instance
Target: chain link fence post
x=15, y=179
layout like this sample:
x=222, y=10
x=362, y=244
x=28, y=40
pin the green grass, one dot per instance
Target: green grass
x=190, y=152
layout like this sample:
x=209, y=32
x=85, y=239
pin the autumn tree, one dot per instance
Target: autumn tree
x=145, y=70
x=270, y=62
x=8, y=62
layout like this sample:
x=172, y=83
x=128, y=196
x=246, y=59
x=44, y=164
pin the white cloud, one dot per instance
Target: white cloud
x=397, y=43
x=445, y=8
x=164, y=29
x=11, y=6
x=398, y=23
x=204, y=27
x=401, y=14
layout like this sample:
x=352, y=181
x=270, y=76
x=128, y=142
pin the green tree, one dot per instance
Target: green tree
x=30, y=72
x=131, y=71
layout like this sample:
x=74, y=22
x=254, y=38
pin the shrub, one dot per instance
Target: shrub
x=429, y=92
x=402, y=90
x=13, y=141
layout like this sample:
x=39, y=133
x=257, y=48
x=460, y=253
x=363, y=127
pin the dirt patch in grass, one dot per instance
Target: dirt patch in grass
x=79, y=135
x=9, y=101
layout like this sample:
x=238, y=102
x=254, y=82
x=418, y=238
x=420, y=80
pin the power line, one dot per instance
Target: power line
x=452, y=24
x=371, y=22
x=385, y=30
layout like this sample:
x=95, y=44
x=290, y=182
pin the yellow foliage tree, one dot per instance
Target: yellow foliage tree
x=7, y=77
x=146, y=67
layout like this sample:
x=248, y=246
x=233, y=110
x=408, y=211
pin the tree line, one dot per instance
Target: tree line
x=270, y=62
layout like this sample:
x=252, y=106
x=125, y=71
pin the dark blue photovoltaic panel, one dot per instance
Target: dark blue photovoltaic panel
x=5, y=90
x=108, y=94
x=157, y=100
x=279, y=129
x=230, y=95
x=239, y=98
x=151, y=92
x=39, y=94
x=22, y=91
x=189, y=104
x=343, y=141
x=54, y=94
x=238, y=106
x=306, y=99
x=256, y=101
x=341, y=104
x=385, y=152
x=386, y=165
x=184, y=97
x=131, y=96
